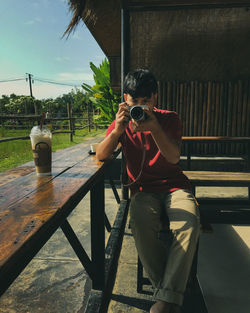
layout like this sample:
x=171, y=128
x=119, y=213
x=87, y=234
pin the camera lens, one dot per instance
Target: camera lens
x=137, y=113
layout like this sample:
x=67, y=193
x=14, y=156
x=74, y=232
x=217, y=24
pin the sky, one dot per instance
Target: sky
x=31, y=42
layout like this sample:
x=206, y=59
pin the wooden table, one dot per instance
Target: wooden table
x=32, y=208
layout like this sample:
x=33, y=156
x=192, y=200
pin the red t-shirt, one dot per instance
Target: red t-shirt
x=158, y=175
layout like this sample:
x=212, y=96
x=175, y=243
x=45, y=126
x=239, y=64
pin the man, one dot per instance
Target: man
x=158, y=187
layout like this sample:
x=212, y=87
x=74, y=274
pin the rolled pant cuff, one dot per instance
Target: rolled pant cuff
x=168, y=296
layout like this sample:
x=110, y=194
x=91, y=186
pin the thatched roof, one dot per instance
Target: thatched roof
x=191, y=40
x=102, y=19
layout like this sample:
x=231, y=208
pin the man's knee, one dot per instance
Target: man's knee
x=142, y=217
x=144, y=212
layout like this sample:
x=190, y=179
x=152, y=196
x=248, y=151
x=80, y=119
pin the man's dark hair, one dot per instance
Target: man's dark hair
x=140, y=83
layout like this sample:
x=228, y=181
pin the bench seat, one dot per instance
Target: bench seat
x=209, y=178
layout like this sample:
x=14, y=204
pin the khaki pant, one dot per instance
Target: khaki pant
x=168, y=269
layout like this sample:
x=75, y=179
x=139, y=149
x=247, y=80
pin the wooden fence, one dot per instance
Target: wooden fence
x=34, y=119
x=210, y=109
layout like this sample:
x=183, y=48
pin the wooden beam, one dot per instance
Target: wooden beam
x=115, y=71
x=182, y=4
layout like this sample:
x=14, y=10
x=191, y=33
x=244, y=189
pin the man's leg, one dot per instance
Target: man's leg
x=184, y=222
x=145, y=221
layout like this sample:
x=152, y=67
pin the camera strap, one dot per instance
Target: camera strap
x=142, y=162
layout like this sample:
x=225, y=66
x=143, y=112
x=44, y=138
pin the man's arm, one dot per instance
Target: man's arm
x=169, y=148
x=108, y=145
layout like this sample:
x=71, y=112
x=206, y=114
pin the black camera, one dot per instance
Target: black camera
x=137, y=113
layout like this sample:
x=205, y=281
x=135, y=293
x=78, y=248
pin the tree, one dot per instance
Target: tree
x=80, y=100
x=19, y=105
x=14, y=104
x=3, y=101
x=101, y=93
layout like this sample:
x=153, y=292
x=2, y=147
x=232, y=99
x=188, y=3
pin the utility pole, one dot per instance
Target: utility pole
x=30, y=83
x=31, y=95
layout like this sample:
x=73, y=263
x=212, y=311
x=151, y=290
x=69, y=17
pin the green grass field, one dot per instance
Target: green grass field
x=17, y=152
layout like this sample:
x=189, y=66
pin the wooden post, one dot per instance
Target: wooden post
x=97, y=220
x=73, y=124
x=89, y=122
x=2, y=127
x=70, y=121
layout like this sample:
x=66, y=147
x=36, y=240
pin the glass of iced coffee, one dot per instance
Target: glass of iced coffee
x=41, y=142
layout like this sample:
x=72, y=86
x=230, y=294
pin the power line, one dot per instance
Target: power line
x=43, y=80
x=56, y=82
x=11, y=80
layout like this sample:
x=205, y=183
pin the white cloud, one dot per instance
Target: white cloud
x=18, y=88
x=31, y=22
x=43, y=91
x=62, y=59
x=81, y=76
x=35, y=20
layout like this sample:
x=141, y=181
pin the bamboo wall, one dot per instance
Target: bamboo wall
x=210, y=109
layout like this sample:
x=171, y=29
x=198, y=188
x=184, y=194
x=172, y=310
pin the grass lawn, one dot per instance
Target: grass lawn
x=17, y=152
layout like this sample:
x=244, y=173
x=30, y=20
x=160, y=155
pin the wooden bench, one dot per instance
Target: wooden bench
x=221, y=210
x=219, y=179
x=209, y=178
x=191, y=141
x=32, y=208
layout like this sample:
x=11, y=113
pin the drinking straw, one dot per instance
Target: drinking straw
x=42, y=120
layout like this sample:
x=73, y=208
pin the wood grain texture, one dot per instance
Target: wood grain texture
x=216, y=139
x=34, y=207
x=14, y=174
x=209, y=178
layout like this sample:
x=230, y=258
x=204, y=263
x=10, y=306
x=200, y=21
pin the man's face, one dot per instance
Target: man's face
x=150, y=102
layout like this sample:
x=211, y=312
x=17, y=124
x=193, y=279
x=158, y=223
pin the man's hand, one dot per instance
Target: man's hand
x=122, y=118
x=149, y=124
x=108, y=145
x=169, y=148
